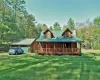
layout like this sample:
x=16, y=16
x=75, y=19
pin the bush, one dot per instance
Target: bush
x=4, y=47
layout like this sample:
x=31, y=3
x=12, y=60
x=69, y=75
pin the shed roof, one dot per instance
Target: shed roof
x=24, y=42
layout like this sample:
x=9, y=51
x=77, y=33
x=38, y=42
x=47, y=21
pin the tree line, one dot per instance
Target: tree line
x=89, y=32
x=57, y=27
x=15, y=22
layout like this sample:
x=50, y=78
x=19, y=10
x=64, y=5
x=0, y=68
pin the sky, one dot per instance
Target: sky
x=51, y=11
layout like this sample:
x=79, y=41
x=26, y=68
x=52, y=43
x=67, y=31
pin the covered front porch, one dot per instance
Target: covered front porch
x=59, y=48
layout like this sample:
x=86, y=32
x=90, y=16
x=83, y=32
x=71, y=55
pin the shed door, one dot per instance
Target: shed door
x=25, y=49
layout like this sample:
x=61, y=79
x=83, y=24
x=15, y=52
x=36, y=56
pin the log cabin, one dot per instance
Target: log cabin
x=58, y=43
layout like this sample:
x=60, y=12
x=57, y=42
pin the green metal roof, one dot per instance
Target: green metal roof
x=24, y=42
x=57, y=33
x=74, y=39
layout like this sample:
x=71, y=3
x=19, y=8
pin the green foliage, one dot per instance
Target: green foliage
x=71, y=24
x=44, y=27
x=56, y=26
x=91, y=36
x=15, y=22
x=30, y=28
x=64, y=27
x=97, y=21
x=38, y=29
x=51, y=28
x=4, y=47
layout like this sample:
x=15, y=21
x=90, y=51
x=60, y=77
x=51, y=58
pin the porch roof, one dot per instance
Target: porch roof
x=60, y=39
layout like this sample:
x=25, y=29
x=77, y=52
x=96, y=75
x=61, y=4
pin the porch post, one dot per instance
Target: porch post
x=38, y=48
x=46, y=48
x=72, y=49
x=54, y=49
x=63, y=48
x=80, y=50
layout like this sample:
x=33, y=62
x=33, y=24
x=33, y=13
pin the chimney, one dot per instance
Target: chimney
x=74, y=32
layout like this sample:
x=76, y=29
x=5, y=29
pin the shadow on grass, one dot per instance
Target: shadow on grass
x=27, y=67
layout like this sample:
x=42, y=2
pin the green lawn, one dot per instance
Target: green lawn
x=36, y=67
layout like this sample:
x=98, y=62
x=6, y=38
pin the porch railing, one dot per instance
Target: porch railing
x=59, y=51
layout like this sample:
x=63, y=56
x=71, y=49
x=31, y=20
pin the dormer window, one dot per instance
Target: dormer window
x=48, y=34
x=67, y=34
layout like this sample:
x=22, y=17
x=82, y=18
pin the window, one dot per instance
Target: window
x=44, y=45
x=47, y=35
x=68, y=45
x=66, y=35
x=59, y=45
x=51, y=45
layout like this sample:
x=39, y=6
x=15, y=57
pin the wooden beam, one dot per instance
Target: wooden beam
x=46, y=48
x=63, y=48
x=54, y=49
x=80, y=50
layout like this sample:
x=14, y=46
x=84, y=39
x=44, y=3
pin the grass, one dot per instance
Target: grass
x=36, y=67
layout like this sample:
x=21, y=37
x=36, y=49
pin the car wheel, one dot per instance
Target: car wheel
x=16, y=53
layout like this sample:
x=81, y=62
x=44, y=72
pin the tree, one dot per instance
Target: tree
x=3, y=30
x=30, y=26
x=64, y=27
x=57, y=26
x=97, y=21
x=90, y=35
x=44, y=27
x=51, y=28
x=71, y=24
x=17, y=6
x=39, y=29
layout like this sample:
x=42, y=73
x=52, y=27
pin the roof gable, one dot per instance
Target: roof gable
x=47, y=31
x=67, y=30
